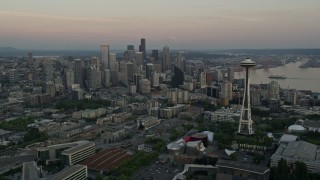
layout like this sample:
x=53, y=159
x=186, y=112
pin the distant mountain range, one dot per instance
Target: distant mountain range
x=10, y=51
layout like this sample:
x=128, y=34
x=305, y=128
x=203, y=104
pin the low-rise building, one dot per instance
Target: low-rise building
x=238, y=170
x=298, y=151
x=146, y=123
x=69, y=153
x=113, y=134
x=30, y=171
x=313, y=126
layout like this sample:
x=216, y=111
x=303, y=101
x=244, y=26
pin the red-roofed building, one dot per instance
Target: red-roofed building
x=106, y=160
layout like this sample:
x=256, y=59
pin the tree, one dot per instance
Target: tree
x=300, y=171
x=282, y=170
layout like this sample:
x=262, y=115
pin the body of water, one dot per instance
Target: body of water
x=297, y=78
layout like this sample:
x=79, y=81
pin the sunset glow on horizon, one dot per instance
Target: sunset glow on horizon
x=206, y=24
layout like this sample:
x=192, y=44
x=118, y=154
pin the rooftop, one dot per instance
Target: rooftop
x=300, y=149
x=107, y=159
x=310, y=123
x=242, y=166
x=67, y=171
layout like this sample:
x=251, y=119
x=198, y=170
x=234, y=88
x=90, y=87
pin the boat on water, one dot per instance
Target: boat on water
x=277, y=77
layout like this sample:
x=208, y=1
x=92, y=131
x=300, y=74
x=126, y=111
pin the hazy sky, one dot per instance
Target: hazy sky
x=181, y=24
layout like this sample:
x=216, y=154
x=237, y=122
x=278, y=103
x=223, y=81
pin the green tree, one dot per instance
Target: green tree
x=282, y=171
x=300, y=171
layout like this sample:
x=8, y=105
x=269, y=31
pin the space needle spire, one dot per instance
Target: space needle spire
x=245, y=124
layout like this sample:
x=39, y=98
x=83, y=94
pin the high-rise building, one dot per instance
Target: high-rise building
x=50, y=88
x=149, y=71
x=129, y=55
x=142, y=48
x=107, y=78
x=226, y=90
x=178, y=78
x=130, y=72
x=78, y=72
x=245, y=124
x=13, y=75
x=49, y=71
x=165, y=58
x=136, y=80
x=113, y=57
x=155, y=79
x=203, y=80
x=155, y=55
x=145, y=86
x=180, y=62
x=105, y=56
x=91, y=78
x=130, y=47
x=273, y=90
x=217, y=75
x=95, y=62
x=138, y=58
x=70, y=78
x=230, y=74
x=30, y=59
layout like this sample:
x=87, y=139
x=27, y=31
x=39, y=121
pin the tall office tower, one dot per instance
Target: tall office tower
x=165, y=58
x=292, y=97
x=78, y=72
x=179, y=61
x=190, y=70
x=202, y=80
x=230, y=74
x=114, y=78
x=145, y=87
x=114, y=66
x=50, y=88
x=130, y=72
x=136, y=80
x=226, y=90
x=129, y=55
x=105, y=56
x=155, y=79
x=142, y=48
x=99, y=76
x=155, y=55
x=245, y=124
x=178, y=78
x=91, y=78
x=30, y=59
x=273, y=90
x=217, y=75
x=130, y=47
x=113, y=57
x=139, y=58
x=107, y=78
x=95, y=63
x=70, y=78
x=49, y=71
x=149, y=71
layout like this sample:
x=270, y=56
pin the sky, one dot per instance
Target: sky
x=180, y=24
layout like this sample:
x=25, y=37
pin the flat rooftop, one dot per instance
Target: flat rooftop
x=67, y=171
x=300, y=149
x=107, y=159
x=242, y=166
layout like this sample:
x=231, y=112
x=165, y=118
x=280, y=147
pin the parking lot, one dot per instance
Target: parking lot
x=159, y=171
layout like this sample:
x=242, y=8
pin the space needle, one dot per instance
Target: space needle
x=245, y=124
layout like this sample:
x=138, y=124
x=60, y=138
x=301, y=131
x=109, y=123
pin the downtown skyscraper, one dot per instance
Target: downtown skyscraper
x=165, y=58
x=105, y=56
x=142, y=48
